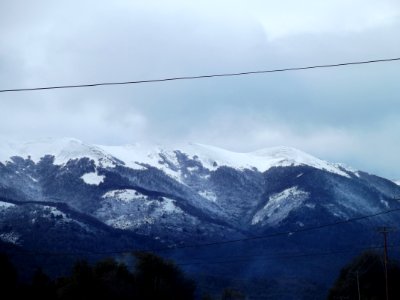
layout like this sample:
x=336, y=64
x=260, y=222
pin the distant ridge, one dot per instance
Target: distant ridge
x=137, y=156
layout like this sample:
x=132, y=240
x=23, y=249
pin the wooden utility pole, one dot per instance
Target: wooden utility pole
x=385, y=230
x=358, y=287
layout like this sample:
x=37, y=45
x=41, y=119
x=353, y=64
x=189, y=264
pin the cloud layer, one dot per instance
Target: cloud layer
x=349, y=115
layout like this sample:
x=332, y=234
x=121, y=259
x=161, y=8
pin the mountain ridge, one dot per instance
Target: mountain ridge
x=193, y=195
x=65, y=149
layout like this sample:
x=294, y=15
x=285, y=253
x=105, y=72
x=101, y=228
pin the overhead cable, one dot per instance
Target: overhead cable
x=244, y=73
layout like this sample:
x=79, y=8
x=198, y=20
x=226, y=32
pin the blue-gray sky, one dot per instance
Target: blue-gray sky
x=349, y=115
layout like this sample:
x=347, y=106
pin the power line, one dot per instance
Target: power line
x=87, y=85
x=301, y=255
x=171, y=248
x=283, y=255
x=281, y=233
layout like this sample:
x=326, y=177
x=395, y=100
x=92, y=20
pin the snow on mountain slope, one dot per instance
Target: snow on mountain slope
x=396, y=182
x=93, y=178
x=139, y=156
x=280, y=205
x=129, y=209
x=125, y=195
x=208, y=195
x=213, y=157
x=262, y=159
x=10, y=237
x=5, y=205
x=63, y=150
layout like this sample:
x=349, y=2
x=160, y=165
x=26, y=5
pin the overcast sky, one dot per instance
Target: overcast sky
x=349, y=114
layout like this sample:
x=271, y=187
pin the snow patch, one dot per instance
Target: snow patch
x=280, y=205
x=125, y=195
x=193, y=169
x=310, y=205
x=137, y=214
x=53, y=211
x=93, y=178
x=384, y=202
x=10, y=237
x=138, y=156
x=208, y=195
x=122, y=222
x=396, y=182
x=6, y=205
x=168, y=206
x=32, y=178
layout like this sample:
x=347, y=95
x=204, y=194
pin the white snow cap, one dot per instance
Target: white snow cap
x=263, y=159
x=63, y=150
x=135, y=155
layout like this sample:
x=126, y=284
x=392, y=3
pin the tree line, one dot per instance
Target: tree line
x=156, y=278
x=152, y=278
x=364, y=278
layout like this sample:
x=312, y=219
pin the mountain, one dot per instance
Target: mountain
x=63, y=194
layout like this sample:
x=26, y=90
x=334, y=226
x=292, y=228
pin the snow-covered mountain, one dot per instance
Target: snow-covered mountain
x=137, y=156
x=396, y=182
x=63, y=193
x=138, y=187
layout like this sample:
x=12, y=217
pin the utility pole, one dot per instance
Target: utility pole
x=385, y=230
x=358, y=287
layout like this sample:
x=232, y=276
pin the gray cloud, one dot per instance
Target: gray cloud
x=349, y=114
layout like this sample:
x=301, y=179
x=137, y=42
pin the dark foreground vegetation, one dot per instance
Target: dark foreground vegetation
x=151, y=278
x=364, y=278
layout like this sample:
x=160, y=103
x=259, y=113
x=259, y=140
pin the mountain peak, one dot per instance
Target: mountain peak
x=63, y=150
x=139, y=154
x=262, y=159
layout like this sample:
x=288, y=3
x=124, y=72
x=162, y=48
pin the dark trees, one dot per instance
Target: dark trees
x=371, y=279
x=152, y=278
x=8, y=276
x=160, y=279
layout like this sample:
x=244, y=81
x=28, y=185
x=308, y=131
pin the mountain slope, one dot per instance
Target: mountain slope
x=189, y=195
